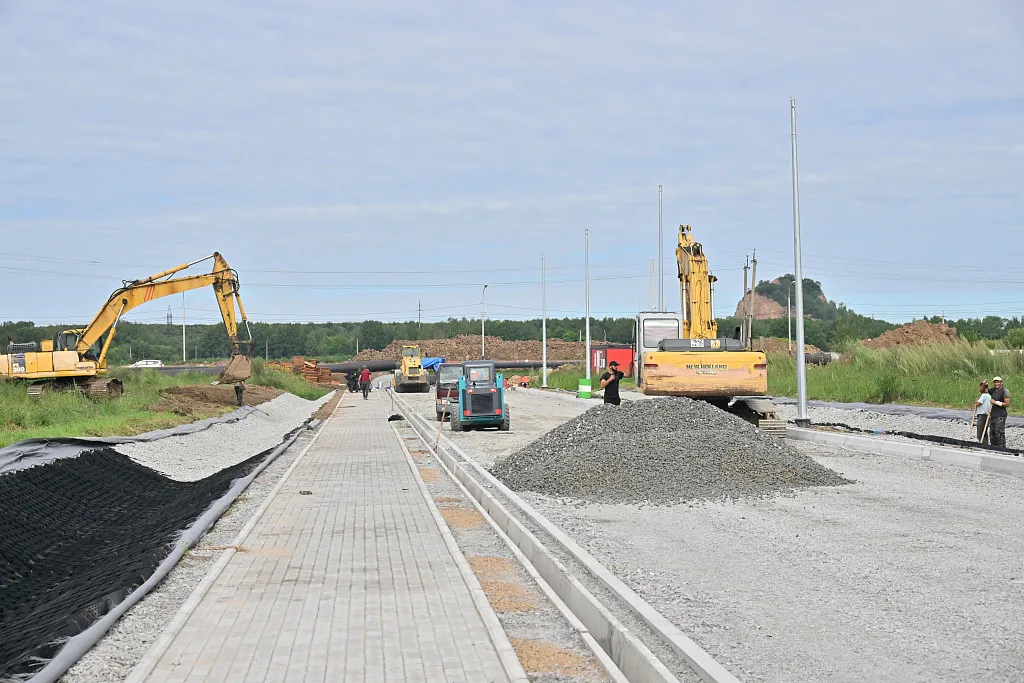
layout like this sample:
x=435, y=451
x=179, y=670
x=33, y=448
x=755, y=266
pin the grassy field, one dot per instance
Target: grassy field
x=940, y=375
x=61, y=414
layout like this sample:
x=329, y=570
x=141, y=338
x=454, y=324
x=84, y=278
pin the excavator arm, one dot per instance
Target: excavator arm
x=696, y=288
x=134, y=293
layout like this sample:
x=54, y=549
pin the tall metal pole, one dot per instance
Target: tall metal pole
x=586, y=277
x=483, y=293
x=661, y=259
x=743, y=306
x=543, y=323
x=801, y=365
x=183, y=360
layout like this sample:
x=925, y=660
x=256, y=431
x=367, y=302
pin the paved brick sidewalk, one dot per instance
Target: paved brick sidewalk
x=353, y=582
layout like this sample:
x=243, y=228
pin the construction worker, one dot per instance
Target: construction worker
x=364, y=382
x=239, y=392
x=997, y=419
x=610, y=383
x=982, y=408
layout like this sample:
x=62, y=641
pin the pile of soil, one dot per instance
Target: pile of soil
x=776, y=345
x=468, y=348
x=207, y=399
x=660, y=451
x=919, y=333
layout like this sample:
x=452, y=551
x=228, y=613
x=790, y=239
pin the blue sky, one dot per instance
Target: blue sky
x=352, y=162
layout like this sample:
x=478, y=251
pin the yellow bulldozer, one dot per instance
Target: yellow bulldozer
x=77, y=359
x=410, y=375
x=681, y=354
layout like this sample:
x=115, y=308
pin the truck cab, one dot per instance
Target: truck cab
x=481, y=398
x=446, y=391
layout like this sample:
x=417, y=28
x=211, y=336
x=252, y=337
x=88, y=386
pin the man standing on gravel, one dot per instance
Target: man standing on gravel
x=610, y=383
x=997, y=421
x=983, y=407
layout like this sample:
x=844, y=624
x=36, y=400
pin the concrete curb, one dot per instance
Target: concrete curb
x=145, y=666
x=975, y=460
x=630, y=655
x=506, y=653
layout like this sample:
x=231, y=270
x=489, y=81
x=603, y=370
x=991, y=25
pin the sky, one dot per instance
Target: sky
x=355, y=162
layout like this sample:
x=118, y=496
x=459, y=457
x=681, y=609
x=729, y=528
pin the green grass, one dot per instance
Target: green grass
x=938, y=375
x=69, y=414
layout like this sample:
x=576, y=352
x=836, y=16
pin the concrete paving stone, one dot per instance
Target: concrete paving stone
x=351, y=583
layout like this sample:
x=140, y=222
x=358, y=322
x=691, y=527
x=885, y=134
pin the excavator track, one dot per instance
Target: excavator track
x=103, y=388
x=761, y=413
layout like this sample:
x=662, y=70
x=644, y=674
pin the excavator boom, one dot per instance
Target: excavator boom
x=75, y=361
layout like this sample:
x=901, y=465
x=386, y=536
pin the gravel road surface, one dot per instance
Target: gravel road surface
x=864, y=419
x=113, y=658
x=912, y=573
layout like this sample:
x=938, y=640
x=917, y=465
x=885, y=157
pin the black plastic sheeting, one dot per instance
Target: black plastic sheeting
x=945, y=440
x=32, y=452
x=897, y=409
x=78, y=535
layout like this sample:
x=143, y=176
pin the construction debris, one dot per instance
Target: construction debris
x=464, y=348
x=918, y=333
x=660, y=451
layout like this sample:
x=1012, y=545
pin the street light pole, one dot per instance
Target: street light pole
x=483, y=293
x=661, y=259
x=586, y=277
x=544, y=323
x=801, y=364
x=183, y=359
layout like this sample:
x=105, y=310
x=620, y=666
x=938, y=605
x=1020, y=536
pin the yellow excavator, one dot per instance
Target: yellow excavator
x=681, y=354
x=77, y=359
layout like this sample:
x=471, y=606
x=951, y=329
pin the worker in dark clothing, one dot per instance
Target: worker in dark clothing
x=364, y=382
x=610, y=383
x=997, y=421
x=239, y=392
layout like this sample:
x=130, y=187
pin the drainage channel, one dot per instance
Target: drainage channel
x=631, y=640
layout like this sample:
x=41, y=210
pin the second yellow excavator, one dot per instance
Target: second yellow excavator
x=77, y=359
x=681, y=354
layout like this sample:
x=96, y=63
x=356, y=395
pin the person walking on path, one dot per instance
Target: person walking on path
x=364, y=382
x=981, y=412
x=610, y=384
x=997, y=421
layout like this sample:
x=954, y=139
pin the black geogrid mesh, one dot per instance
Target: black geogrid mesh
x=78, y=535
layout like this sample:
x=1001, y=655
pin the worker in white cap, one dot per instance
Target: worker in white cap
x=997, y=422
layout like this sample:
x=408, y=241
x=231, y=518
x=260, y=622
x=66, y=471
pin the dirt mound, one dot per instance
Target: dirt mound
x=204, y=399
x=918, y=333
x=661, y=451
x=776, y=345
x=468, y=348
x=764, y=308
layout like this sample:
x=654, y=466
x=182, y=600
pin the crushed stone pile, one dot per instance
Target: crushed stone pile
x=466, y=347
x=660, y=451
x=917, y=333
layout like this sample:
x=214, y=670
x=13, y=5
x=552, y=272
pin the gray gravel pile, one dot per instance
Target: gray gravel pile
x=661, y=451
x=195, y=456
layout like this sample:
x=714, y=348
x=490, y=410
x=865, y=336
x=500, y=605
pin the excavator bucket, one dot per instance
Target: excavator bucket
x=238, y=369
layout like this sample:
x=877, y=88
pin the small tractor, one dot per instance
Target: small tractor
x=481, y=399
x=411, y=376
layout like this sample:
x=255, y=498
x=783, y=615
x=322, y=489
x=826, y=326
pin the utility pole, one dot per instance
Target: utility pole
x=483, y=294
x=743, y=304
x=419, y=317
x=543, y=324
x=586, y=277
x=266, y=349
x=183, y=359
x=801, y=363
x=661, y=259
x=170, y=316
x=750, y=304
